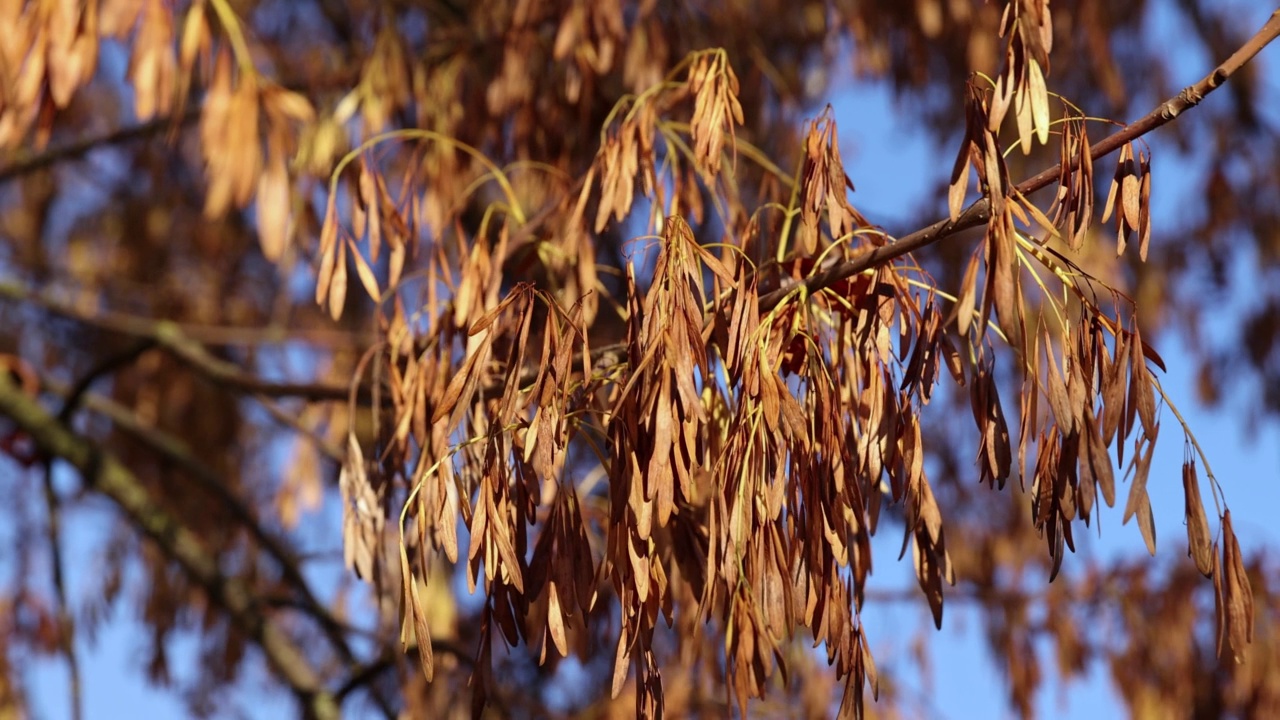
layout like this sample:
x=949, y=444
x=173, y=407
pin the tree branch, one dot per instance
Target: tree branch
x=145, y=327
x=980, y=211
x=178, y=339
x=174, y=450
x=66, y=620
x=84, y=146
x=111, y=478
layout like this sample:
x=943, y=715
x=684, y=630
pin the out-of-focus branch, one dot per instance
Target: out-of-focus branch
x=66, y=621
x=145, y=327
x=175, y=451
x=367, y=674
x=29, y=163
x=79, y=148
x=111, y=478
x=184, y=343
x=228, y=374
x=53, y=506
x=980, y=211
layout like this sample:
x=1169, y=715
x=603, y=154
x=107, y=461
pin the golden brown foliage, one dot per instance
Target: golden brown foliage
x=604, y=357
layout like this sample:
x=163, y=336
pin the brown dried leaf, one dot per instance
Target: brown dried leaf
x=555, y=621
x=1139, y=502
x=463, y=385
x=1063, y=411
x=1237, y=592
x=1114, y=190
x=1219, y=600
x=1099, y=459
x=273, y=203
x=1199, y=542
x=1039, y=100
x=959, y=177
x=1141, y=391
x=1003, y=278
x=338, y=285
x=1144, y=218
x=621, y=660
x=1024, y=115
x=968, y=296
x=928, y=572
x=1131, y=204
x=364, y=273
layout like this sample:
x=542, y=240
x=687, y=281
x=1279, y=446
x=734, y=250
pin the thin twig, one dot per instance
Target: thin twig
x=66, y=621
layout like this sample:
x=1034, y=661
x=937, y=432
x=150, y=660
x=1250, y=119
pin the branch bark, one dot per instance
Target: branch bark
x=111, y=478
x=980, y=211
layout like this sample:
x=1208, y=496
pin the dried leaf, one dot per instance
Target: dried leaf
x=959, y=177
x=1139, y=502
x=621, y=660
x=1039, y=99
x=1130, y=190
x=364, y=273
x=273, y=204
x=338, y=285
x=1144, y=217
x=1199, y=542
x=967, y=296
x=1099, y=459
x=1142, y=394
x=1237, y=592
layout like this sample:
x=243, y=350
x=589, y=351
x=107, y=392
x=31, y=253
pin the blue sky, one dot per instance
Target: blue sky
x=893, y=167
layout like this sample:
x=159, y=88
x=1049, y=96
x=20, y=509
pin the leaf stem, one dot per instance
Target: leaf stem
x=235, y=34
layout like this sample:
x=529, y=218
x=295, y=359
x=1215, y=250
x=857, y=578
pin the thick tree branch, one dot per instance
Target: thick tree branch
x=111, y=478
x=980, y=211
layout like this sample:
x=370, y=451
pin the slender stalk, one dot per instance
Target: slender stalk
x=66, y=621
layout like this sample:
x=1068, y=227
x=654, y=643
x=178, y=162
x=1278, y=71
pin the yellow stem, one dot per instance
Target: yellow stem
x=235, y=34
